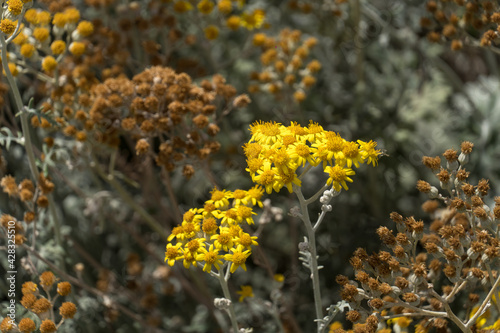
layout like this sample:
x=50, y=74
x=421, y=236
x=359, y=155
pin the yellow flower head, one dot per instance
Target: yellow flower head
x=8, y=26
x=77, y=48
x=182, y=6
x=233, y=22
x=60, y=20
x=205, y=6
x=211, y=32
x=49, y=64
x=220, y=198
x=368, y=151
x=72, y=15
x=225, y=6
x=238, y=258
x=31, y=16
x=58, y=47
x=210, y=257
x=42, y=18
x=337, y=176
x=15, y=7
x=253, y=20
x=244, y=292
x=27, y=50
x=41, y=34
x=85, y=28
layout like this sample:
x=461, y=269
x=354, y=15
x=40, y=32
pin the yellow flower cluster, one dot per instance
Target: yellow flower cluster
x=34, y=42
x=284, y=64
x=249, y=20
x=275, y=152
x=213, y=236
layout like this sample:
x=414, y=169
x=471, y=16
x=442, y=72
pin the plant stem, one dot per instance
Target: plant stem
x=225, y=289
x=313, y=265
x=28, y=145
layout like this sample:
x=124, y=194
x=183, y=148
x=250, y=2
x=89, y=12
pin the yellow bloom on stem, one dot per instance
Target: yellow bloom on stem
x=85, y=28
x=233, y=22
x=205, y=6
x=300, y=153
x=350, y=155
x=255, y=194
x=238, y=258
x=240, y=197
x=15, y=7
x=225, y=6
x=287, y=179
x=211, y=32
x=267, y=177
x=27, y=50
x=41, y=34
x=195, y=246
x=315, y=131
x=58, y=47
x=42, y=18
x=246, y=240
x=173, y=253
x=77, y=48
x=244, y=213
x=8, y=26
x=244, y=292
x=72, y=15
x=49, y=64
x=338, y=176
x=223, y=240
x=266, y=133
x=182, y=6
x=210, y=257
x=253, y=20
x=31, y=16
x=252, y=149
x=220, y=198
x=209, y=226
x=229, y=216
x=368, y=151
x=60, y=20
x=188, y=259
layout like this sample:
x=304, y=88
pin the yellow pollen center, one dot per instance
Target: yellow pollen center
x=217, y=195
x=193, y=245
x=171, y=253
x=245, y=240
x=302, y=150
x=350, y=149
x=224, y=238
x=244, y=211
x=337, y=173
x=209, y=225
x=267, y=177
x=239, y=258
x=210, y=257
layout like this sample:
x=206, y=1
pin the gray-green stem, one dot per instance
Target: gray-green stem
x=28, y=145
x=312, y=249
x=225, y=289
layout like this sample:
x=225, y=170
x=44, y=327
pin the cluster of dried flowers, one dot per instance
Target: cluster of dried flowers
x=462, y=243
x=33, y=200
x=284, y=73
x=41, y=306
x=462, y=22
